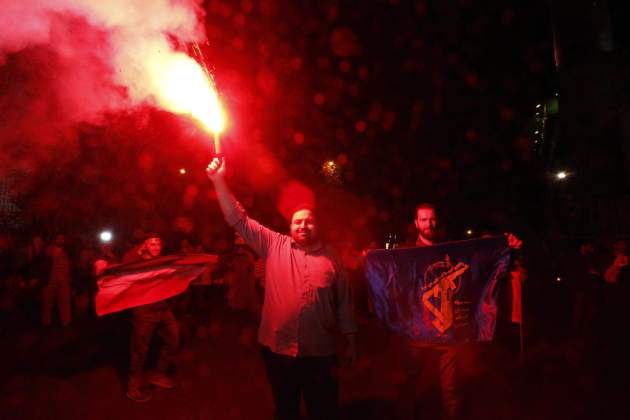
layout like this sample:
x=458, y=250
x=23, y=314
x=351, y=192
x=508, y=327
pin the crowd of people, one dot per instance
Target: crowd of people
x=50, y=279
x=53, y=284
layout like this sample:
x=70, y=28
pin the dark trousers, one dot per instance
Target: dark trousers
x=146, y=320
x=418, y=361
x=314, y=377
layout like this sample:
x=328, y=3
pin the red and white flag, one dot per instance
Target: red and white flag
x=139, y=283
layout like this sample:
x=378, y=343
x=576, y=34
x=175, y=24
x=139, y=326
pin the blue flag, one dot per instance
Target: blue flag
x=441, y=294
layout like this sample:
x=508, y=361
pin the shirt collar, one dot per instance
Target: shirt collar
x=420, y=242
x=311, y=248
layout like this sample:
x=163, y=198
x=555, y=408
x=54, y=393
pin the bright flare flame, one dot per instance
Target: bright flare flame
x=184, y=88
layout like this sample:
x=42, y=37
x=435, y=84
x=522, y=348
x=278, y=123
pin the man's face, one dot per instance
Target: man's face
x=303, y=227
x=426, y=222
x=153, y=247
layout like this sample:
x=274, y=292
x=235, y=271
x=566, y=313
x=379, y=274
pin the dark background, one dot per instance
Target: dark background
x=413, y=101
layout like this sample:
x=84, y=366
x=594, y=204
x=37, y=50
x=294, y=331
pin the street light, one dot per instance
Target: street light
x=560, y=175
x=106, y=236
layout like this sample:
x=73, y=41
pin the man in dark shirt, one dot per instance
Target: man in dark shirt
x=419, y=353
x=147, y=319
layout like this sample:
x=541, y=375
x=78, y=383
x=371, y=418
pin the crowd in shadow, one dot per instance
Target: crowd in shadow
x=561, y=312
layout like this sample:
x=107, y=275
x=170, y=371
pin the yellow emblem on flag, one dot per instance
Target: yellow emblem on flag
x=442, y=279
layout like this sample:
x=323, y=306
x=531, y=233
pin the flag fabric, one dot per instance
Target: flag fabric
x=441, y=294
x=137, y=283
x=517, y=278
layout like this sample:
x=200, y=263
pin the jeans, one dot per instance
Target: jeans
x=147, y=319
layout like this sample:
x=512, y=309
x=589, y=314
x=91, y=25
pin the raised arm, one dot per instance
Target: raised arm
x=216, y=174
x=256, y=235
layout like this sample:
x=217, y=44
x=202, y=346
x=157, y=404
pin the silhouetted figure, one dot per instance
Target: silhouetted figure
x=57, y=290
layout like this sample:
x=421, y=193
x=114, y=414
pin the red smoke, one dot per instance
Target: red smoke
x=67, y=62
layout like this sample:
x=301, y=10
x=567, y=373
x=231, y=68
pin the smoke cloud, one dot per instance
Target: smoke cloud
x=63, y=62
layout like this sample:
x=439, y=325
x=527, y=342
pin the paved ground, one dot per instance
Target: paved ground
x=78, y=373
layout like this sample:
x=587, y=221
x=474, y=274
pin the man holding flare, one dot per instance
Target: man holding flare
x=307, y=299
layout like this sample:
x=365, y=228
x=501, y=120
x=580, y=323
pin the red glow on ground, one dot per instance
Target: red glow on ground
x=360, y=126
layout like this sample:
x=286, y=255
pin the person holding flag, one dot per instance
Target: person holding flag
x=147, y=319
x=438, y=295
x=307, y=298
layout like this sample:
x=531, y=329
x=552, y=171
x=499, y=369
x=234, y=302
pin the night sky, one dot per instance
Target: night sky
x=412, y=101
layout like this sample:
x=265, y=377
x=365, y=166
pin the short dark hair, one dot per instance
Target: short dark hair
x=302, y=206
x=425, y=205
x=151, y=235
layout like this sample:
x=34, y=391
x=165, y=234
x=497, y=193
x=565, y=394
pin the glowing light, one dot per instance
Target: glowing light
x=106, y=236
x=469, y=232
x=558, y=279
x=184, y=88
x=182, y=171
x=538, y=106
x=561, y=175
x=331, y=171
